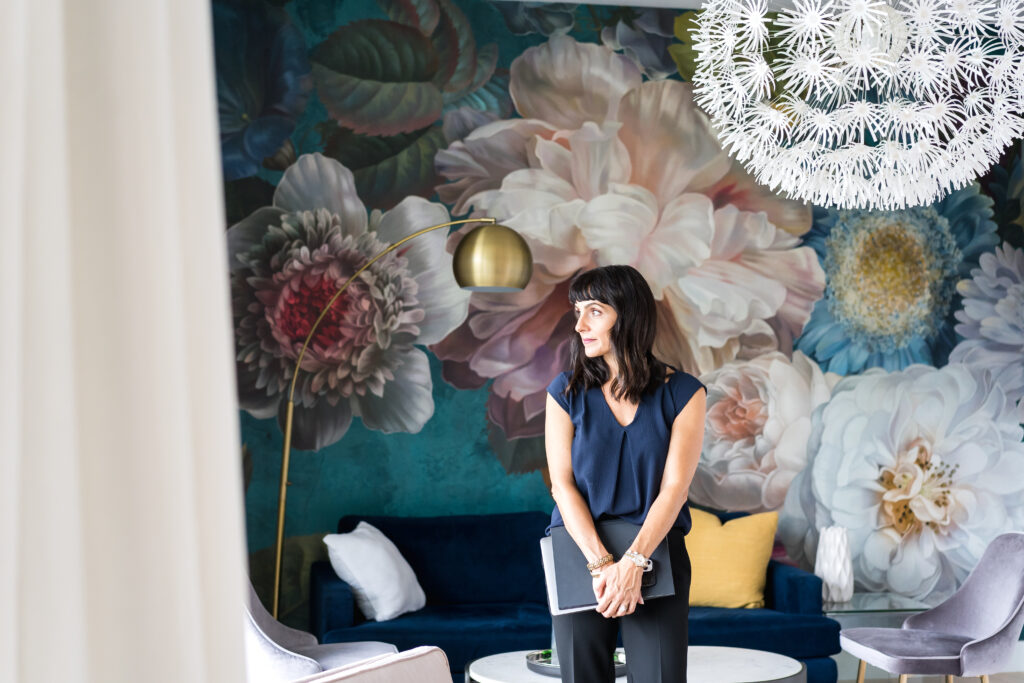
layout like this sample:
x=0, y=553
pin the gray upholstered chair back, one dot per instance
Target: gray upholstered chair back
x=988, y=607
x=269, y=644
x=285, y=636
x=275, y=652
x=268, y=662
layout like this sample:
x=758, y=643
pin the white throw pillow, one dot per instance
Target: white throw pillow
x=382, y=582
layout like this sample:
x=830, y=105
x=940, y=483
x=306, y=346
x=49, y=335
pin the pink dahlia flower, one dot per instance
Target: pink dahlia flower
x=287, y=260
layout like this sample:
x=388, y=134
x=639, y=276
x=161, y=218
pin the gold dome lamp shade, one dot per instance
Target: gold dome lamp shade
x=492, y=258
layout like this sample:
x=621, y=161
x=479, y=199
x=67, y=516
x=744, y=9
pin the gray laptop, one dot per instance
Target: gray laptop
x=570, y=588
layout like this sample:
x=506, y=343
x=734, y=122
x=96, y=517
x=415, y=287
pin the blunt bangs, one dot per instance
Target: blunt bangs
x=593, y=285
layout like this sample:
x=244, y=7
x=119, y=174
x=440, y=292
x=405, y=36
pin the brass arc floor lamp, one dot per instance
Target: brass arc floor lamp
x=490, y=258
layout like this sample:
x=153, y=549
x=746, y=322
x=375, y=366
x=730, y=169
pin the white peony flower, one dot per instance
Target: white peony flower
x=992, y=318
x=757, y=426
x=923, y=466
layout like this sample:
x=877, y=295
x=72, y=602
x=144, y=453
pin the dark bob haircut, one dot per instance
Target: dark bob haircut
x=632, y=336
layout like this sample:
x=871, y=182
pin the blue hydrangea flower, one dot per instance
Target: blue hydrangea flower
x=890, y=281
x=263, y=82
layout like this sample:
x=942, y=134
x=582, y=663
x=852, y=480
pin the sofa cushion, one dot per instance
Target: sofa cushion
x=419, y=665
x=469, y=559
x=494, y=627
x=729, y=560
x=793, y=635
x=906, y=650
x=383, y=583
x=332, y=655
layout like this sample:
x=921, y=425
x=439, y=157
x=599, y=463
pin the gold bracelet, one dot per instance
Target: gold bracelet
x=600, y=564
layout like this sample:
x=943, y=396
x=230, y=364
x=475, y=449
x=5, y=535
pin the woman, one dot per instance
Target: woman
x=623, y=434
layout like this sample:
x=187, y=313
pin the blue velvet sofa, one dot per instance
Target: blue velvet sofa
x=484, y=584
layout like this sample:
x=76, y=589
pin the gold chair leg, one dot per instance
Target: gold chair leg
x=861, y=668
x=949, y=678
x=903, y=678
x=984, y=679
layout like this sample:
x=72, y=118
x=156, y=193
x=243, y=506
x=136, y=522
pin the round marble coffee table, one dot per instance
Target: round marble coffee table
x=705, y=664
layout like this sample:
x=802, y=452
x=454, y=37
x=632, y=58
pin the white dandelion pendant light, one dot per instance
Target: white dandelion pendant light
x=863, y=103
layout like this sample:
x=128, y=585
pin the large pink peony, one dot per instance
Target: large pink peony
x=287, y=260
x=604, y=168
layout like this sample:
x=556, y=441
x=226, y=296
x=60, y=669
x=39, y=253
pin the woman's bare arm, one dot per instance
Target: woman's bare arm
x=680, y=466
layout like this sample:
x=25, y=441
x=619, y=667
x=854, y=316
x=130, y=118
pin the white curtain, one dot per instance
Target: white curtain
x=122, y=553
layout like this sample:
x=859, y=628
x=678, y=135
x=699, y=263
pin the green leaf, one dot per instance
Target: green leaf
x=492, y=97
x=684, y=23
x=774, y=39
x=422, y=15
x=376, y=77
x=685, y=58
x=388, y=169
x=486, y=61
x=456, y=48
x=682, y=52
x=517, y=456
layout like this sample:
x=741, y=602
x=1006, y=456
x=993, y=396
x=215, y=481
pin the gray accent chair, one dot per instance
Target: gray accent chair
x=425, y=664
x=275, y=653
x=970, y=634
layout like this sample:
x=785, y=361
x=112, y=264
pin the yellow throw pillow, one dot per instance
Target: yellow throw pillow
x=729, y=561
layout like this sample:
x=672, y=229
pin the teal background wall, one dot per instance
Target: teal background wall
x=448, y=468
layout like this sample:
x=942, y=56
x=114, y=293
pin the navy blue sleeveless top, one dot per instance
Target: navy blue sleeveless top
x=618, y=469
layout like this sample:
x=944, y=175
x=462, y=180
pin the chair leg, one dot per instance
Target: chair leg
x=984, y=679
x=903, y=678
x=949, y=678
x=861, y=668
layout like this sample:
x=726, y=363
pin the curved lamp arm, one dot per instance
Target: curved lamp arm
x=286, y=452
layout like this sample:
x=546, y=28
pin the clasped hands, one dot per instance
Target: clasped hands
x=617, y=589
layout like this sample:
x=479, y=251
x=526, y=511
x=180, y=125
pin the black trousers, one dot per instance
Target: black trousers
x=655, y=635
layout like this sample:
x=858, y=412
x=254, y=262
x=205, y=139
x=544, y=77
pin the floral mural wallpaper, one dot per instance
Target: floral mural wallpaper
x=864, y=368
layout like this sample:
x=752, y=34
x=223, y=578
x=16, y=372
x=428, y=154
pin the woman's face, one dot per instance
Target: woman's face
x=594, y=322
